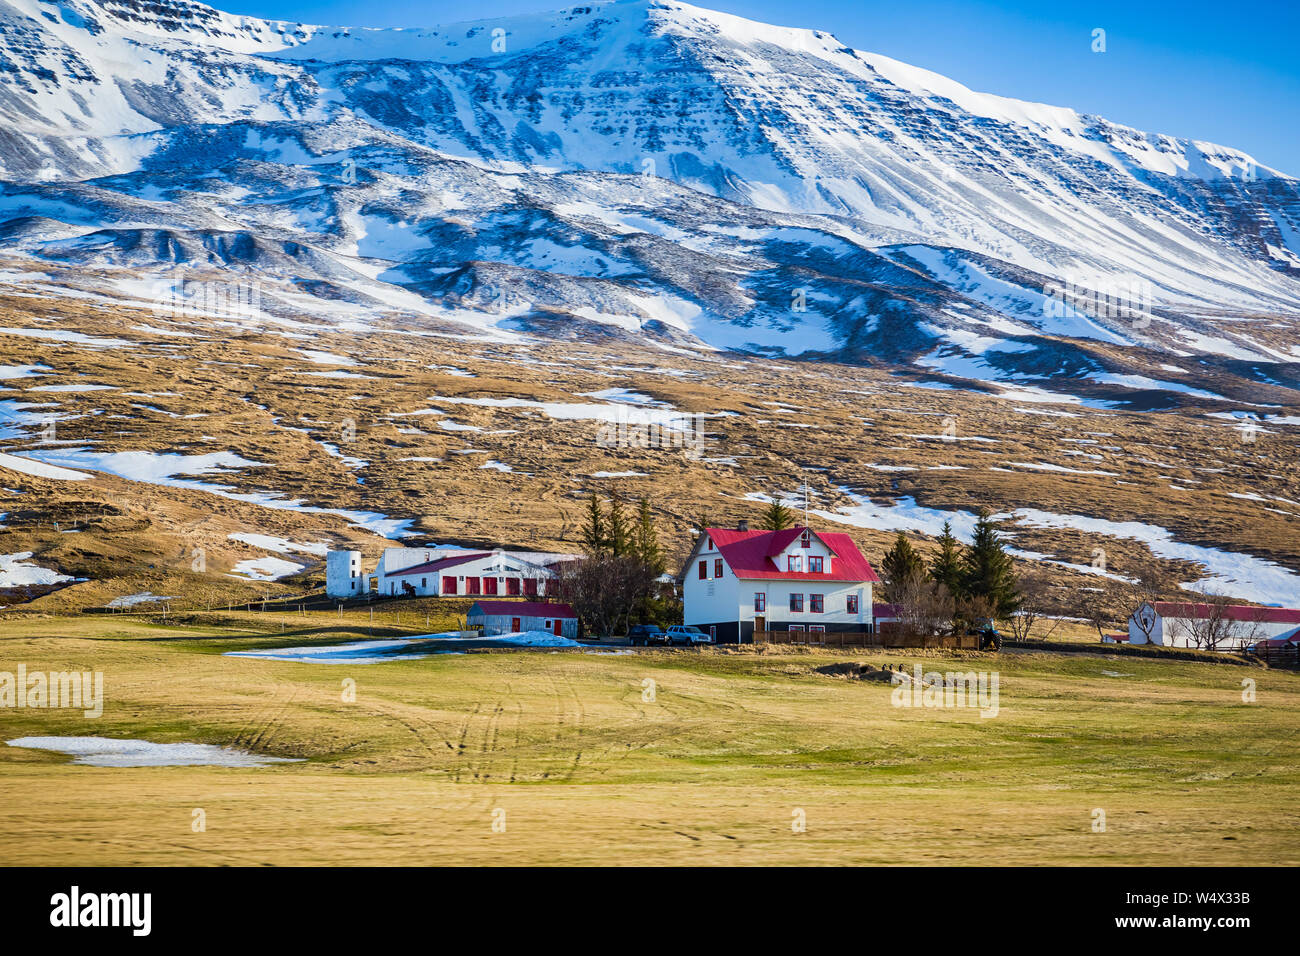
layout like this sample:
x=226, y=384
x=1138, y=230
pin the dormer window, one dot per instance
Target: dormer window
x=805, y=539
x=795, y=562
x=815, y=563
x=708, y=544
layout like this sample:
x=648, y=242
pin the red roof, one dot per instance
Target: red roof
x=1232, y=612
x=750, y=554
x=521, y=609
x=440, y=564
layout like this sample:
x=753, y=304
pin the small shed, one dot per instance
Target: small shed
x=508, y=617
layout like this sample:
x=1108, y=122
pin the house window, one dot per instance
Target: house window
x=796, y=602
x=816, y=628
x=794, y=562
x=489, y=585
x=817, y=603
x=704, y=570
x=805, y=540
x=471, y=585
x=708, y=544
x=852, y=604
x=815, y=563
x=796, y=627
x=448, y=584
x=717, y=567
x=760, y=602
x=424, y=582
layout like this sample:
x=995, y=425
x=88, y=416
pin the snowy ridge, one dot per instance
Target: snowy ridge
x=646, y=166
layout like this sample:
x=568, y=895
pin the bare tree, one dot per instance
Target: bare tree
x=1213, y=624
x=605, y=589
x=1032, y=612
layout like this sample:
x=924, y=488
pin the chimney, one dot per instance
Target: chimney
x=742, y=524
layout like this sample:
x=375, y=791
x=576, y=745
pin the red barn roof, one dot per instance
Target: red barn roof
x=1231, y=612
x=750, y=554
x=440, y=564
x=521, y=609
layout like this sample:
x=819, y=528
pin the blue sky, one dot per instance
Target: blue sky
x=1201, y=70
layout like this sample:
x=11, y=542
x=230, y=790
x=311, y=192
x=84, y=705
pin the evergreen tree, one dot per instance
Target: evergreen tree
x=595, y=533
x=647, y=540
x=945, y=567
x=901, y=567
x=702, y=522
x=776, y=517
x=987, y=570
x=619, y=535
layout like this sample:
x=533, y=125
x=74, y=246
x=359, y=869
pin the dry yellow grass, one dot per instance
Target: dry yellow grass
x=710, y=771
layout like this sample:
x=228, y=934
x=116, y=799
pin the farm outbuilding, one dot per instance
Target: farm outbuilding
x=508, y=617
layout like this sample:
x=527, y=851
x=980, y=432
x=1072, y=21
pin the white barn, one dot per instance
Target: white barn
x=437, y=574
x=737, y=581
x=1175, y=624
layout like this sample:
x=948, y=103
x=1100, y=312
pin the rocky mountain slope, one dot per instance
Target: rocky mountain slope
x=639, y=168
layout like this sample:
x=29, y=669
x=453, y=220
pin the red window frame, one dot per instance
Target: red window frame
x=704, y=570
x=805, y=540
x=449, y=584
x=717, y=567
x=796, y=602
x=815, y=564
x=817, y=603
x=489, y=585
x=472, y=586
x=794, y=562
x=760, y=601
x=851, y=604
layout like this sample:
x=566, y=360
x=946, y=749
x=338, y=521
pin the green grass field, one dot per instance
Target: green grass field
x=565, y=749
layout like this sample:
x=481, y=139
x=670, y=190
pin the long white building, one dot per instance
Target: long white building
x=443, y=572
x=1180, y=624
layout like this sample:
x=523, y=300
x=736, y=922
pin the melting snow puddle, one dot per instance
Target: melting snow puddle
x=144, y=597
x=106, y=752
x=1115, y=674
x=358, y=652
x=374, y=652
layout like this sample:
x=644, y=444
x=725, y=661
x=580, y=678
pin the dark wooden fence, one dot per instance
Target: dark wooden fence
x=1283, y=656
x=886, y=638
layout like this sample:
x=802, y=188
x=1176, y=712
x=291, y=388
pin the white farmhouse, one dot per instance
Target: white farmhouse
x=737, y=581
x=1178, y=624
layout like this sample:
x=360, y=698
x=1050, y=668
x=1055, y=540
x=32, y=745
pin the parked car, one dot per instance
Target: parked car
x=684, y=634
x=643, y=635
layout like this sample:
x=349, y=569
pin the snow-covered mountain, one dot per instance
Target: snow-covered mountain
x=635, y=167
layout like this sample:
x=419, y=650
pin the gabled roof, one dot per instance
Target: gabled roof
x=440, y=564
x=522, y=609
x=750, y=555
x=1231, y=612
